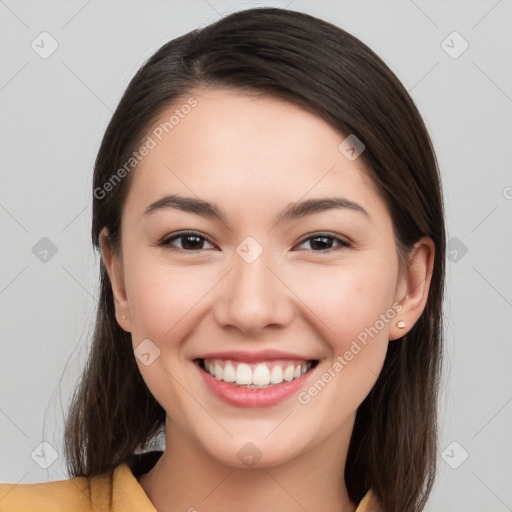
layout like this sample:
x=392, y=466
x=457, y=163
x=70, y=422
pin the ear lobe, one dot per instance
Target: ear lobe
x=413, y=292
x=114, y=267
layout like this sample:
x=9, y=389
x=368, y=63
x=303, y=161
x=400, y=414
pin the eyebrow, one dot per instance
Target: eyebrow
x=291, y=212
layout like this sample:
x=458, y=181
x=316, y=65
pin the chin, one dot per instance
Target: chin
x=254, y=452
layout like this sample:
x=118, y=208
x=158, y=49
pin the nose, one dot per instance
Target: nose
x=253, y=297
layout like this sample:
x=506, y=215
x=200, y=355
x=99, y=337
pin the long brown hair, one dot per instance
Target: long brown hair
x=318, y=66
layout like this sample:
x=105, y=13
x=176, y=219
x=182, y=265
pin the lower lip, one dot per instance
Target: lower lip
x=246, y=397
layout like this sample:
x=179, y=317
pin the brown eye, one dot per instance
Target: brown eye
x=190, y=242
x=324, y=242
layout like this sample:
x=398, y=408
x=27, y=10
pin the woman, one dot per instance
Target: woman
x=269, y=214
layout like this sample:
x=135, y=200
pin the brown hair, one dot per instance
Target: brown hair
x=318, y=66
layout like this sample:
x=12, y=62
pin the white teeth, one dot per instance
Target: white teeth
x=261, y=375
x=243, y=374
x=288, y=373
x=276, y=375
x=229, y=373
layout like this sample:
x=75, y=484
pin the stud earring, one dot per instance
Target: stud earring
x=124, y=316
x=400, y=324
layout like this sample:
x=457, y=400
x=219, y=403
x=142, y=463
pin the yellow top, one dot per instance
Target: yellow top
x=114, y=491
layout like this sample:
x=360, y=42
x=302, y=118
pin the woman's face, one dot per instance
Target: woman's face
x=250, y=291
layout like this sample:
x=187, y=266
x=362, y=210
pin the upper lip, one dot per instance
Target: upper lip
x=251, y=357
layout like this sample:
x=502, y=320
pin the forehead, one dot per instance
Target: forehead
x=245, y=149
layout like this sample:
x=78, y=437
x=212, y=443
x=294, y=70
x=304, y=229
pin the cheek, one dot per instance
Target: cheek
x=348, y=301
x=161, y=295
x=353, y=310
x=165, y=302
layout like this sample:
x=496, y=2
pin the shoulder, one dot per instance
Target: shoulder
x=369, y=503
x=114, y=491
x=72, y=495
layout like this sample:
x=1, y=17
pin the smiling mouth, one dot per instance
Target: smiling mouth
x=260, y=375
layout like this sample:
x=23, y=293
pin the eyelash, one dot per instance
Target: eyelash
x=343, y=244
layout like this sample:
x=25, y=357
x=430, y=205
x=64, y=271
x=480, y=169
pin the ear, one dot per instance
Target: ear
x=114, y=266
x=413, y=287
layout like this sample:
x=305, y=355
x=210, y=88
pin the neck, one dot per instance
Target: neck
x=187, y=477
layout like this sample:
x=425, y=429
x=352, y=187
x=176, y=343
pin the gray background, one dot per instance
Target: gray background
x=54, y=111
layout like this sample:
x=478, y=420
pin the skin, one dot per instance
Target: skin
x=252, y=155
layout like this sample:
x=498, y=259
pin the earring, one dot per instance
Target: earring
x=124, y=316
x=400, y=324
